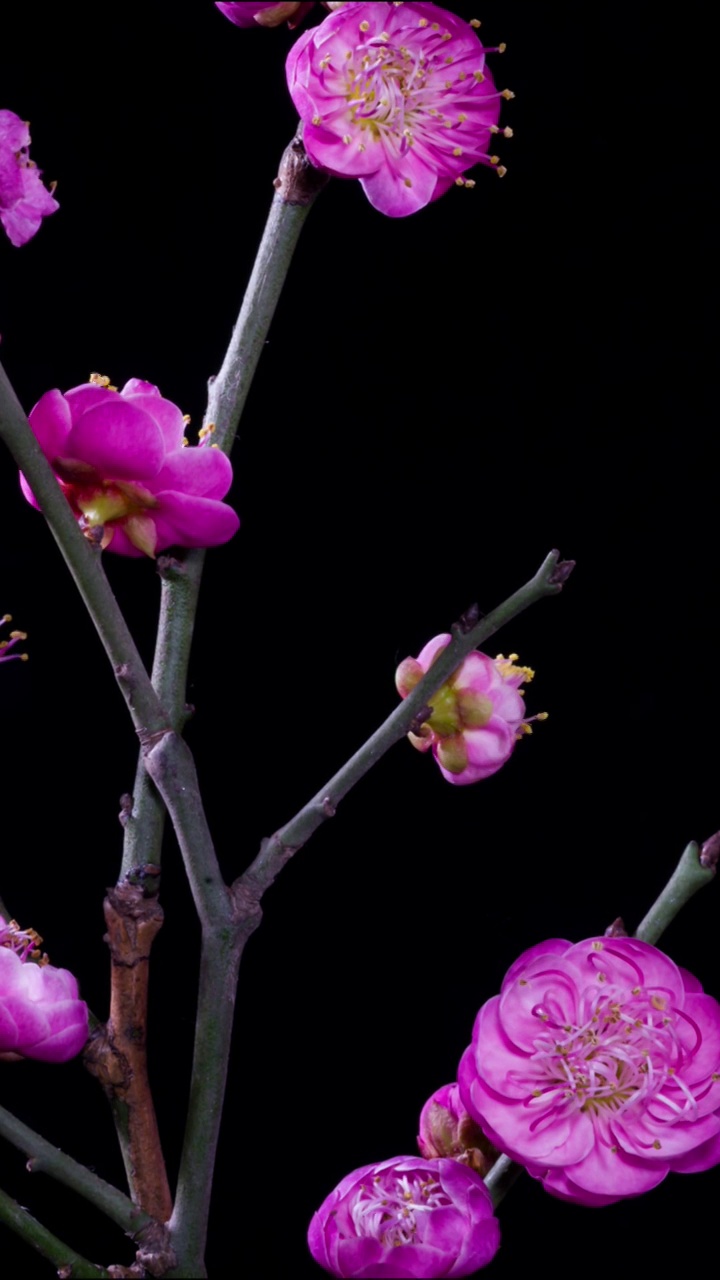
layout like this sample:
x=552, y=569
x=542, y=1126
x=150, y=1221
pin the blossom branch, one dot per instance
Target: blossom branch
x=503, y=1175
x=45, y=1158
x=689, y=876
x=297, y=185
x=84, y=564
x=68, y=1262
x=117, y=1055
x=467, y=635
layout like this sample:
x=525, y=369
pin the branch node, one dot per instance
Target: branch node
x=467, y=621
x=298, y=181
x=710, y=852
x=126, y=807
x=328, y=807
x=560, y=574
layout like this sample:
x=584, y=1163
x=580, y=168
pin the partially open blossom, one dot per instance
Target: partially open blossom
x=7, y=645
x=24, y=200
x=398, y=96
x=598, y=1068
x=448, y=1129
x=41, y=1015
x=122, y=460
x=406, y=1217
x=477, y=716
x=263, y=13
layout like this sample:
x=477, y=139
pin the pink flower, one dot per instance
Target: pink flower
x=127, y=471
x=406, y=1217
x=24, y=201
x=477, y=716
x=397, y=96
x=264, y=13
x=598, y=1068
x=447, y=1129
x=41, y=1015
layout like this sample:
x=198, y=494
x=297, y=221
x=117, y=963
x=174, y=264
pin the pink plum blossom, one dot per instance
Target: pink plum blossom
x=598, y=1068
x=398, y=96
x=448, y=1129
x=132, y=480
x=24, y=201
x=263, y=13
x=477, y=716
x=41, y=1015
x=406, y=1217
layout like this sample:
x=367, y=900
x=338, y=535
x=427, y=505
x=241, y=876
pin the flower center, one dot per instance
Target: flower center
x=24, y=942
x=389, y=1208
x=626, y=1049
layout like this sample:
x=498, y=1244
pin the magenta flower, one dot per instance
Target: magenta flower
x=24, y=201
x=263, y=13
x=598, y=1068
x=406, y=1217
x=397, y=96
x=477, y=716
x=41, y=1015
x=127, y=471
x=447, y=1129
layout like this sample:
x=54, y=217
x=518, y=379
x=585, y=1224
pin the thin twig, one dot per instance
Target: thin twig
x=67, y=1261
x=689, y=876
x=281, y=846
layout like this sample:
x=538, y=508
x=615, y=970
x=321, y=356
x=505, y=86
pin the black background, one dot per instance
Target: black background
x=442, y=399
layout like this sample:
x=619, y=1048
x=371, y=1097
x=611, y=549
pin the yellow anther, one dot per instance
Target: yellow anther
x=364, y=25
x=186, y=418
x=101, y=380
x=457, y=151
x=501, y=48
x=423, y=22
x=185, y=442
x=7, y=617
x=507, y=132
x=475, y=22
x=470, y=183
x=501, y=171
x=494, y=159
x=446, y=36
x=541, y=715
x=459, y=182
x=408, y=183
x=597, y=946
x=507, y=94
x=478, y=75
x=316, y=119
x=462, y=117
x=18, y=635
x=347, y=139
x=435, y=26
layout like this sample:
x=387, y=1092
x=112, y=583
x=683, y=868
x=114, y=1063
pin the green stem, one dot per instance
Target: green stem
x=66, y=1260
x=84, y=564
x=219, y=963
x=503, y=1175
x=179, y=591
x=689, y=876
x=276, y=850
x=44, y=1158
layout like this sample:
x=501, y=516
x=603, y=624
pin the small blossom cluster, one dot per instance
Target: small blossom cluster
x=478, y=715
x=597, y=1067
x=24, y=200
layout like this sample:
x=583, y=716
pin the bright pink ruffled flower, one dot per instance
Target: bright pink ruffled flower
x=406, y=1217
x=41, y=1015
x=397, y=96
x=477, y=716
x=263, y=13
x=124, y=465
x=24, y=201
x=598, y=1068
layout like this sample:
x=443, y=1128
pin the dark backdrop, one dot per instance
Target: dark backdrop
x=442, y=400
